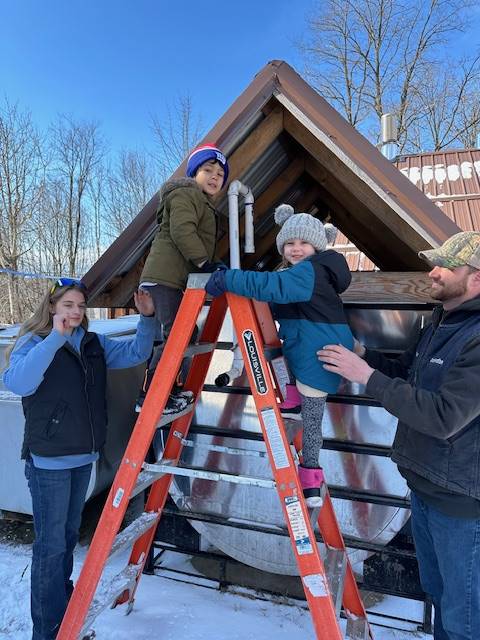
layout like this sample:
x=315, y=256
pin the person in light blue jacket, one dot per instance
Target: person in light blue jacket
x=59, y=369
x=306, y=303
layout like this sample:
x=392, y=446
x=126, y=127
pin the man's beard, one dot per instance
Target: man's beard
x=450, y=291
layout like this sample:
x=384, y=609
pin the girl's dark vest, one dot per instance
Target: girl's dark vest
x=453, y=463
x=67, y=413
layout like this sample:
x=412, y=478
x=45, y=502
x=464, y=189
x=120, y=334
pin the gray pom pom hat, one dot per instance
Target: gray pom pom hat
x=302, y=226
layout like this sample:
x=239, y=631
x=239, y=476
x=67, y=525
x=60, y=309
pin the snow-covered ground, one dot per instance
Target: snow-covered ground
x=166, y=609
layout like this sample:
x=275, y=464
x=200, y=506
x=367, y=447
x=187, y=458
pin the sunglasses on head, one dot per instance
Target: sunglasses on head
x=67, y=282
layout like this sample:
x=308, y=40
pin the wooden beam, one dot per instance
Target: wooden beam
x=379, y=243
x=269, y=198
x=256, y=143
x=376, y=209
x=388, y=287
x=120, y=295
x=369, y=233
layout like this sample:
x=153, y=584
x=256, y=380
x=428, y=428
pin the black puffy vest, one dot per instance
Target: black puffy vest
x=67, y=413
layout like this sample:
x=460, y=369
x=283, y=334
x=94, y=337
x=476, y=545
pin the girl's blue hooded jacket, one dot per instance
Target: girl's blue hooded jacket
x=307, y=305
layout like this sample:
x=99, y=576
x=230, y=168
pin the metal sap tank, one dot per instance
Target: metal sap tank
x=122, y=389
x=387, y=329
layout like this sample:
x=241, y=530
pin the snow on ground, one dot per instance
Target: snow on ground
x=167, y=609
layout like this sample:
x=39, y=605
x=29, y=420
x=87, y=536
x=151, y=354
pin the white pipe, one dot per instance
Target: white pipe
x=233, y=229
x=249, y=231
x=389, y=147
x=235, y=189
x=235, y=370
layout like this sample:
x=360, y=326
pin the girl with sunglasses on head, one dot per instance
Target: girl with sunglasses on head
x=59, y=369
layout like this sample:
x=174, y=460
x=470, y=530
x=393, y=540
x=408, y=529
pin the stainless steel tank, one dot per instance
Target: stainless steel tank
x=387, y=329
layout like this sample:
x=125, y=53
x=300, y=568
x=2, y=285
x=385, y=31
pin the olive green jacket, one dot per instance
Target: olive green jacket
x=186, y=235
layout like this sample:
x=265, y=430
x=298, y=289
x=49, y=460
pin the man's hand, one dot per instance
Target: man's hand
x=347, y=364
x=144, y=303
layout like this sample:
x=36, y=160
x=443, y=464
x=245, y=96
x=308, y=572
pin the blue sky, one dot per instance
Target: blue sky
x=119, y=62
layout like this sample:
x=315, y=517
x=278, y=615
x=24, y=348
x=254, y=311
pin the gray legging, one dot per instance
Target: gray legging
x=312, y=416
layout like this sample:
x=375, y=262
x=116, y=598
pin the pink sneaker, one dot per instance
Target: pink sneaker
x=312, y=480
x=291, y=407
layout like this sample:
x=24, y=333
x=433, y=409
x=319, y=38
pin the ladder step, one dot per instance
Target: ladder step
x=134, y=530
x=196, y=349
x=234, y=451
x=107, y=593
x=148, y=477
x=193, y=472
x=145, y=479
x=357, y=629
x=335, y=563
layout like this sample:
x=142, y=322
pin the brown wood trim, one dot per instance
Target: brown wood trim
x=120, y=295
x=257, y=142
x=389, y=287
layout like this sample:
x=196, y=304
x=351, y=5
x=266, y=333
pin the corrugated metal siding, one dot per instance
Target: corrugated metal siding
x=451, y=179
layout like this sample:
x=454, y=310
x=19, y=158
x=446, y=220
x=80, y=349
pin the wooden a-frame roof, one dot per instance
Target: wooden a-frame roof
x=289, y=145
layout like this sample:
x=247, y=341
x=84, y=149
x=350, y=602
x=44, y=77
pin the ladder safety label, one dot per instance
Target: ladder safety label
x=275, y=439
x=298, y=525
x=316, y=583
x=118, y=498
x=254, y=360
x=281, y=373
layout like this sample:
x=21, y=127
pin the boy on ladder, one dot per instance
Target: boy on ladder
x=184, y=243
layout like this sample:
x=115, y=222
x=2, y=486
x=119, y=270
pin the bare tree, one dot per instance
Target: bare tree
x=97, y=232
x=77, y=150
x=22, y=170
x=176, y=134
x=127, y=187
x=369, y=57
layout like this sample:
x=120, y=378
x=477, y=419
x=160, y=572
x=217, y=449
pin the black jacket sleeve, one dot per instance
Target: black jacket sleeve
x=441, y=413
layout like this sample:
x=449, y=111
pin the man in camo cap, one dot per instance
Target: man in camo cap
x=434, y=390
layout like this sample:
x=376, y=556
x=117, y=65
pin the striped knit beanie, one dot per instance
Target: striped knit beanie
x=203, y=154
x=302, y=226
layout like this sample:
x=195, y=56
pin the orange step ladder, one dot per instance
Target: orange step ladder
x=328, y=583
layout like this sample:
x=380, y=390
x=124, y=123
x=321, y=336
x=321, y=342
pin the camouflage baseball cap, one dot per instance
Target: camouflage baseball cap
x=461, y=249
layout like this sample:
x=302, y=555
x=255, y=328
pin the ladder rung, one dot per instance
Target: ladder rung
x=335, y=567
x=148, y=477
x=357, y=629
x=234, y=451
x=196, y=349
x=144, y=480
x=134, y=530
x=193, y=472
x=108, y=592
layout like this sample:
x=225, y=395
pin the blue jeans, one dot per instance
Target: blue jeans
x=58, y=497
x=448, y=553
